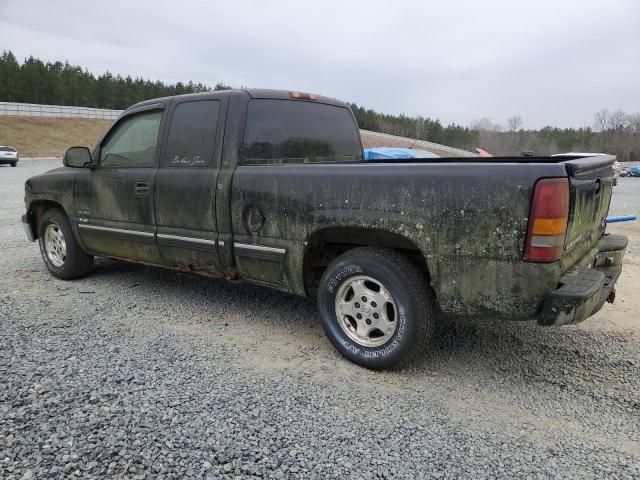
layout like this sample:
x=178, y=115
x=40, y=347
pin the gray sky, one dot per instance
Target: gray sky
x=552, y=62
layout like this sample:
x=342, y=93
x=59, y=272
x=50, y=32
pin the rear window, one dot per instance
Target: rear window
x=7, y=149
x=291, y=131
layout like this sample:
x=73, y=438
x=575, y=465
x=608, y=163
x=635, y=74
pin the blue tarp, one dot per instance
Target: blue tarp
x=389, y=153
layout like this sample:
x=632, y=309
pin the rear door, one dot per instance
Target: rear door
x=282, y=141
x=114, y=200
x=185, y=200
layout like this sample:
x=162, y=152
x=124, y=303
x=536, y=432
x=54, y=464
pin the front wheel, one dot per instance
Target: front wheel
x=376, y=307
x=60, y=251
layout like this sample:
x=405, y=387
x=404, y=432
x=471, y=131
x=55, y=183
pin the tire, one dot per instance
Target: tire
x=60, y=251
x=14, y=164
x=407, y=314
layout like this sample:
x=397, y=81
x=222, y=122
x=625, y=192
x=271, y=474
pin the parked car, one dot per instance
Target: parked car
x=483, y=153
x=9, y=155
x=633, y=172
x=271, y=187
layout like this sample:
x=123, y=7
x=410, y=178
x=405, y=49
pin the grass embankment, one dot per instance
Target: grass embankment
x=49, y=137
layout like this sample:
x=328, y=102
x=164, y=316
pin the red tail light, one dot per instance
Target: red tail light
x=547, y=220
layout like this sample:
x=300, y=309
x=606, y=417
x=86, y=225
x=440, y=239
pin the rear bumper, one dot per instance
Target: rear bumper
x=587, y=285
x=6, y=161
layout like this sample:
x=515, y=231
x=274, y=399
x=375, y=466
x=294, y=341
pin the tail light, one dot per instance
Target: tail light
x=548, y=220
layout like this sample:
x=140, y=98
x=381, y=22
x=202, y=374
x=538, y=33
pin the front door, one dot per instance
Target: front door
x=114, y=200
x=186, y=185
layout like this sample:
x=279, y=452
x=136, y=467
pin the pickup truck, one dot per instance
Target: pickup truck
x=271, y=187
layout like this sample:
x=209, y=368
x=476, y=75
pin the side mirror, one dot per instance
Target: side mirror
x=77, y=157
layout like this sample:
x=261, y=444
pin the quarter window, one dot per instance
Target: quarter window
x=133, y=141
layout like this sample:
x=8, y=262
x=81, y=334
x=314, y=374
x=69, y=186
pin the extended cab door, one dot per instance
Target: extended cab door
x=114, y=200
x=277, y=192
x=186, y=184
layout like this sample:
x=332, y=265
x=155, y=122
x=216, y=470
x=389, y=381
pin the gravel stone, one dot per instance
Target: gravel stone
x=157, y=374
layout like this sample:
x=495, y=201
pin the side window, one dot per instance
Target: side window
x=294, y=131
x=132, y=143
x=192, y=134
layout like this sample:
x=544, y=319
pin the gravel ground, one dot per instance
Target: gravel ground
x=141, y=373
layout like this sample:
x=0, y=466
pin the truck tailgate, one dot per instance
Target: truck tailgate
x=590, y=188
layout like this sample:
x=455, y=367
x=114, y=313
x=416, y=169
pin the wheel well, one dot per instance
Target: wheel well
x=37, y=209
x=325, y=245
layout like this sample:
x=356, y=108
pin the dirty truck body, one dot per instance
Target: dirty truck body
x=270, y=187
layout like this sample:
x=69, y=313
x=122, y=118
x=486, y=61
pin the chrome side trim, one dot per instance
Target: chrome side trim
x=260, y=248
x=220, y=243
x=137, y=233
x=204, y=241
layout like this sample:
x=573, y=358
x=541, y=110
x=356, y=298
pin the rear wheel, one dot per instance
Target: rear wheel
x=376, y=307
x=60, y=251
x=14, y=164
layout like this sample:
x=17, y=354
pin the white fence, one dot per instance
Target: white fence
x=423, y=143
x=35, y=110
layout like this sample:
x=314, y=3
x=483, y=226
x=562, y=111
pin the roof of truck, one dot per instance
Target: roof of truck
x=265, y=93
x=286, y=95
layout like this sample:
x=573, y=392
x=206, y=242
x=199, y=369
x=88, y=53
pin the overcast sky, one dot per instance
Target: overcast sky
x=551, y=62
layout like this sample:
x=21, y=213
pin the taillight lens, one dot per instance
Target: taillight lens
x=548, y=220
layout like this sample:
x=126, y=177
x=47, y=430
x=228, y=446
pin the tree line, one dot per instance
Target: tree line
x=615, y=132
x=58, y=83
x=420, y=128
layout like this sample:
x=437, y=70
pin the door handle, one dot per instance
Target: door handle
x=143, y=189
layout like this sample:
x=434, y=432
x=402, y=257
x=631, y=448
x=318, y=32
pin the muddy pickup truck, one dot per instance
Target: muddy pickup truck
x=270, y=187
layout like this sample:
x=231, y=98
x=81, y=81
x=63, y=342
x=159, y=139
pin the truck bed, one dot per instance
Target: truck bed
x=467, y=216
